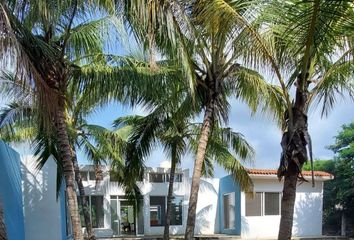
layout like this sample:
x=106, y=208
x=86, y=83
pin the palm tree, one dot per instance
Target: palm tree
x=42, y=38
x=208, y=50
x=168, y=124
x=54, y=44
x=316, y=42
x=311, y=46
x=98, y=143
x=178, y=138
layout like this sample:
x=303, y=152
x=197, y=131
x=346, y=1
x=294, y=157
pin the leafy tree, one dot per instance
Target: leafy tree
x=339, y=192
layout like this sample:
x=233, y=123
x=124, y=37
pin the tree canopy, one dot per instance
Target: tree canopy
x=339, y=192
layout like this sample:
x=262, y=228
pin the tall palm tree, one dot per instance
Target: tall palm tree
x=17, y=123
x=55, y=43
x=41, y=38
x=51, y=44
x=315, y=43
x=208, y=49
x=309, y=49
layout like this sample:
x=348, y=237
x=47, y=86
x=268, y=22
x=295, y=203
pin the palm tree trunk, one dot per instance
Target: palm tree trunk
x=287, y=204
x=166, y=234
x=295, y=152
x=83, y=200
x=64, y=150
x=197, y=172
x=3, y=235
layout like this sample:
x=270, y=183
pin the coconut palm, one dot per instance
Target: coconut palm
x=318, y=38
x=55, y=43
x=209, y=50
x=98, y=143
x=41, y=38
x=309, y=48
x=178, y=137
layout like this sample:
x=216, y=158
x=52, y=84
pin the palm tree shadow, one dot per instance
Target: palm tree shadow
x=202, y=220
x=41, y=205
x=307, y=211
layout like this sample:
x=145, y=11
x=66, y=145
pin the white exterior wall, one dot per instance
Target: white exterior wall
x=307, y=214
x=206, y=207
x=42, y=212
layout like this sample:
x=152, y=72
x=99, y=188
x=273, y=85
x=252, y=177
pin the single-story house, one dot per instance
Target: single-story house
x=223, y=208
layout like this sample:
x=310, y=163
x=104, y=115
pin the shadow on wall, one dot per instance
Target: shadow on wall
x=41, y=207
x=245, y=228
x=308, y=215
x=202, y=221
x=206, y=217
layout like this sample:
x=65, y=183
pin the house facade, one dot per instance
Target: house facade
x=222, y=206
x=33, y=211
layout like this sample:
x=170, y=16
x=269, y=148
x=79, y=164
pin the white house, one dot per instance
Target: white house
x=222, y=207
x=33, y=212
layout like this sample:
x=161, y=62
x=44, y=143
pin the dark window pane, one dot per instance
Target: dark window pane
x=178, y=177
x=254, y=205
x=92, y=176
x=156, y=177
x=157, y=210
x=83, y=176
x=271, y=202
x=176, y=211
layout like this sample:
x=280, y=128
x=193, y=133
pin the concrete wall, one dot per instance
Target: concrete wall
x=42, y=210
x=10, y=192
x=228, y=185
x=307, y=215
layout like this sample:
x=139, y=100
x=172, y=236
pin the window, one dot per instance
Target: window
x=83, y=176
x=263, y=203
x=156, y=177
x=229, y=210
x=271, y=203
x=92, y=176
x=176, y=211
x=96, y=211
x=254, y=204
x=178, y=177
x=157, y=210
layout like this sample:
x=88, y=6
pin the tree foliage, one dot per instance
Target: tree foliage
x=340, y=190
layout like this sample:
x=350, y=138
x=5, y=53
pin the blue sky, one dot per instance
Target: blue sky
x=260, y=132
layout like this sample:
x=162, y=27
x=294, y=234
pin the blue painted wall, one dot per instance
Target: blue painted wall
x=11, y=192
x=228, y=185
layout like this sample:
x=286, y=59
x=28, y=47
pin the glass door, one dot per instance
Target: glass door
x=127, y=216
